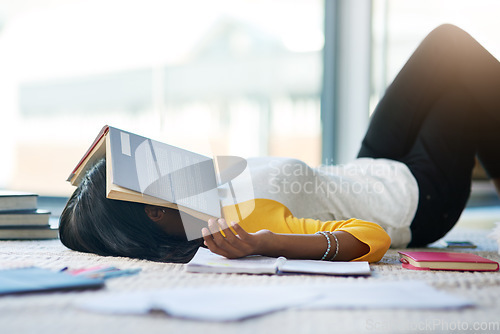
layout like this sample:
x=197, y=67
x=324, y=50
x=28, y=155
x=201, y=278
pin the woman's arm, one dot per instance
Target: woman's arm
x=264, y=242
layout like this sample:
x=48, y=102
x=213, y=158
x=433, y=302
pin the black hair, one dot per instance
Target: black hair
x=92, y=223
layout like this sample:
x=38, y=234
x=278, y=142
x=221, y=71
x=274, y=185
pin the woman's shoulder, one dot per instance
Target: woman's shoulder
x=366, y=166
x=274, y=162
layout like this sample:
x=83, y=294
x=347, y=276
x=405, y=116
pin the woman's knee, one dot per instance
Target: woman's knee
x=449, y=36
x=447, y=30
x=447, y=40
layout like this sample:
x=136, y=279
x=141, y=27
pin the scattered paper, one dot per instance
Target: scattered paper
x=220, y=303
x=230, y=303
x=383, y=295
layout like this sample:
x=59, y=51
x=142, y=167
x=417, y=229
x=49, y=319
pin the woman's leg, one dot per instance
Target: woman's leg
x=442, y=109
x=442, y=159
x=496, y=182
x=447, y=59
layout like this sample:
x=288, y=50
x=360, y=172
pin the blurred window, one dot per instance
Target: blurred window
x=400, y=25
x=237, y=77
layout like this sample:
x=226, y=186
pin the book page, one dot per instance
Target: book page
x=325, y=267
x=205, y=261
x=191, y=177
x=164, y=171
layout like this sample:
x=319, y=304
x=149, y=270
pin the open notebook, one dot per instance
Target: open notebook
x=205, y=261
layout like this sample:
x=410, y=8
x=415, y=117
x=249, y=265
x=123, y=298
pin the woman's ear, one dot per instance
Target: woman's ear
x=155, y=213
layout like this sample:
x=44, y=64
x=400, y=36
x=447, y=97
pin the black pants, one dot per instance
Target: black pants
x=441, y=110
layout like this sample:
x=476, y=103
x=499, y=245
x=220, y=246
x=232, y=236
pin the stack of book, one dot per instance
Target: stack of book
x=20, y=217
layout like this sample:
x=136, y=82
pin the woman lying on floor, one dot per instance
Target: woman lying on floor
x=412, y=177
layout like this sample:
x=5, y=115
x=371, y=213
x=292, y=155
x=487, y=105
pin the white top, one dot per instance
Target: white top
x=377, y=190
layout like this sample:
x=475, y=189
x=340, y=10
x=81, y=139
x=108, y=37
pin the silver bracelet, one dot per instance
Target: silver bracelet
x=336, y=248
x=329, y=244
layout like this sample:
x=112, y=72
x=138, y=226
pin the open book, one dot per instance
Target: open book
x=139, y=169
x=205, y=261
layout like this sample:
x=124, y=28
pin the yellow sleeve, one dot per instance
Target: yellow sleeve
x=370, y=234
x=267, y=214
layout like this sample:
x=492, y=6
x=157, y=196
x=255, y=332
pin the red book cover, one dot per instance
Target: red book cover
x=101, y=134
x=446, y=261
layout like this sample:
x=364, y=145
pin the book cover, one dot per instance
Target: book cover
x=24, y=217
x=205, y=261
x=26, y=232
x=96, y=151
x=446, y=261
x=143, y=170
x=17, y=200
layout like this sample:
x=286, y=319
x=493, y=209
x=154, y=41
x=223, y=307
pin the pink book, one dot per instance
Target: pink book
x=446, y=261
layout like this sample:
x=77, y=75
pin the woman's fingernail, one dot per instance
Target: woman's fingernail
x=204, y=232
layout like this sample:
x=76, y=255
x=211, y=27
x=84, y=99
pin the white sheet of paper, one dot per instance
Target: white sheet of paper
x=229, y=303
x=233, y=303
x=386, y=294
x=219, y=303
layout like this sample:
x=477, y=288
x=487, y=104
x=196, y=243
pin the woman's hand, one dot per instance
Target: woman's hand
x=233, y=245
x=220, y=239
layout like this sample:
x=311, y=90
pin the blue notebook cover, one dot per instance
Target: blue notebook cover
x=34, y=279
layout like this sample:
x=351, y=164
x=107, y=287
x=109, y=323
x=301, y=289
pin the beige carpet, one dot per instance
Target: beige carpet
x=56, y=313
